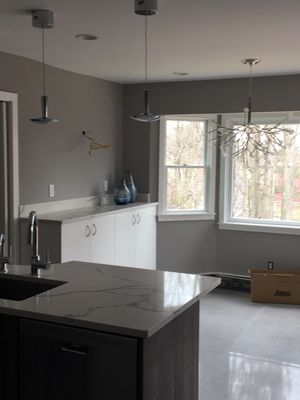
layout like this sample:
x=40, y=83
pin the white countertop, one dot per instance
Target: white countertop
x=127, y=301
x=82, y=213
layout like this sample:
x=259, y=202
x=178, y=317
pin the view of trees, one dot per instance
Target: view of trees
x=185, y=155
x=264, y=186
x=268, y=186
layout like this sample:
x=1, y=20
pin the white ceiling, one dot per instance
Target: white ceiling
x=206, y=38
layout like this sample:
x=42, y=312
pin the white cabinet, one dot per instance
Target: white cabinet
x=136, y=238
x=102, y=239
x=75, y=241
x=90, y=240
x=125, y=237
x=146, y=238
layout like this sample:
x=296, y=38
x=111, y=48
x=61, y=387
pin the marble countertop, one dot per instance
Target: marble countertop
x=128, y=301
x=82, y=213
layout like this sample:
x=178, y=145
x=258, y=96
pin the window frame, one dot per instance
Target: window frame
x=209, y=166
x=226, y=221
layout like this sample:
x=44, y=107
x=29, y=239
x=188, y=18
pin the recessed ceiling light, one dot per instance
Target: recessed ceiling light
x=180, y=73
x=86, y=36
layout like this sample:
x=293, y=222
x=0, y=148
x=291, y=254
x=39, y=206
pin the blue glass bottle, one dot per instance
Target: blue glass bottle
x=122, y=194
x=131, y=186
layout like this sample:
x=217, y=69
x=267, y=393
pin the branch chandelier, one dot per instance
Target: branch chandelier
x=146, y=8
x=250, y=137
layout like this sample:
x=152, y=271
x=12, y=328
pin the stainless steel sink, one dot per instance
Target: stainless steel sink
x=17, y=288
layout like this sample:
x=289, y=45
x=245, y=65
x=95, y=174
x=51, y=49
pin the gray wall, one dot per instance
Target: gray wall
x=58, y=153
x=199, y=246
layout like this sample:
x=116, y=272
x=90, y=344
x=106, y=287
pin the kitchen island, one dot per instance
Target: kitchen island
x=104, y=332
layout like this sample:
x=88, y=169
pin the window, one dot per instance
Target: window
x=187, y=168
x=262, y=192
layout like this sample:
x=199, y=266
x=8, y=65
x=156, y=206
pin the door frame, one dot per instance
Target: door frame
x=11, y=99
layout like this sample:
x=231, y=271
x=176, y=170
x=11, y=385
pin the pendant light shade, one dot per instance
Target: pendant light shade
x=43, y=19
x=147, y=116
x=44, y=119
x=146, y=8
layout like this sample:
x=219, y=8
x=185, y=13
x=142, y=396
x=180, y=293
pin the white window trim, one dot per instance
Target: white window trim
x=225, y=220
x=189, y=215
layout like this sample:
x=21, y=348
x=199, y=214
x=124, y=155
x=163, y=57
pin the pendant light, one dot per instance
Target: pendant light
x=43, y=19
x=146, y=8
x=250, y=137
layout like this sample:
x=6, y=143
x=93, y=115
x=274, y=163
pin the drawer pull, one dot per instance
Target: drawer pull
x=80, y=350
x=138, y=218
x=94, y=229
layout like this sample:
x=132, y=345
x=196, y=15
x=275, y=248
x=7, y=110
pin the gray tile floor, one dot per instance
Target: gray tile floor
x=248, y=351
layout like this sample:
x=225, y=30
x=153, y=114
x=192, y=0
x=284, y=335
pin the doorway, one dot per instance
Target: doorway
x=9, y=172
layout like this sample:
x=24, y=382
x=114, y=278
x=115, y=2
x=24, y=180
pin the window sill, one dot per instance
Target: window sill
x=186, y=217
x=263, y=228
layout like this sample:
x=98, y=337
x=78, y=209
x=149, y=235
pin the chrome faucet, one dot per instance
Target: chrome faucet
x=4, y=260
x=33, y=240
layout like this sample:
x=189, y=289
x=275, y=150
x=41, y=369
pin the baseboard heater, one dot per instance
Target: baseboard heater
x=232, y=281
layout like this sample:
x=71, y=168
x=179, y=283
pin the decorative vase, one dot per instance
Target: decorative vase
x=131, y=186
x=122, y=194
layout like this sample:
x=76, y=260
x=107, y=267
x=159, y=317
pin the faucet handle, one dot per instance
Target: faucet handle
x=37, y=264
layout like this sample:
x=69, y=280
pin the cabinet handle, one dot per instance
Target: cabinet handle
x=75, y=349
x=87, y=231
x=94, y=229
x=138, y=218
x=133, y=219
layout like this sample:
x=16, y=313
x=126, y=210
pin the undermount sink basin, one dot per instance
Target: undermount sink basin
x=16, y=288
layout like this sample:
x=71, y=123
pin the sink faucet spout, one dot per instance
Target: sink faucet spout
x=33, y=235
x=33, y=240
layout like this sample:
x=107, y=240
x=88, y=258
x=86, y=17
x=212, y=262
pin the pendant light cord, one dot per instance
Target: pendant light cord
x=250, y=79
x=146, y=50
x=250, y=94
x=43, y=57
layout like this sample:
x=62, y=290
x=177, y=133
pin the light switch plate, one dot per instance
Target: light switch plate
x=51, y=190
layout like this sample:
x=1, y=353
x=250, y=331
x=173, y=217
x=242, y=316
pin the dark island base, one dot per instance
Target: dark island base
x=170, y=360
x=41, y=360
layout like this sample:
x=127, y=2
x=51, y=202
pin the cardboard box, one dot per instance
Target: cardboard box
x=269, y=286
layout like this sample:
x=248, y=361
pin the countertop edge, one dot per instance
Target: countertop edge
x=46, y=218
x=73, y=323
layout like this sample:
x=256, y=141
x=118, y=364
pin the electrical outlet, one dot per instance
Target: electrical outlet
x=51, y=190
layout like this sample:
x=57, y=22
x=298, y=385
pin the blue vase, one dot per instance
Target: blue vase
x=131, y=186
x=122, y=194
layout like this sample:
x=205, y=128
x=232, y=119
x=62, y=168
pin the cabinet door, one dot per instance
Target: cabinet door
x=146, y=238
x=59, y=363
x=8, y=358
x=125, y=239
x=103, y=239
x=75, y=241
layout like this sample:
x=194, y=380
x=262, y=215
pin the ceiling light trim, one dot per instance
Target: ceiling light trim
x=86, y=36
